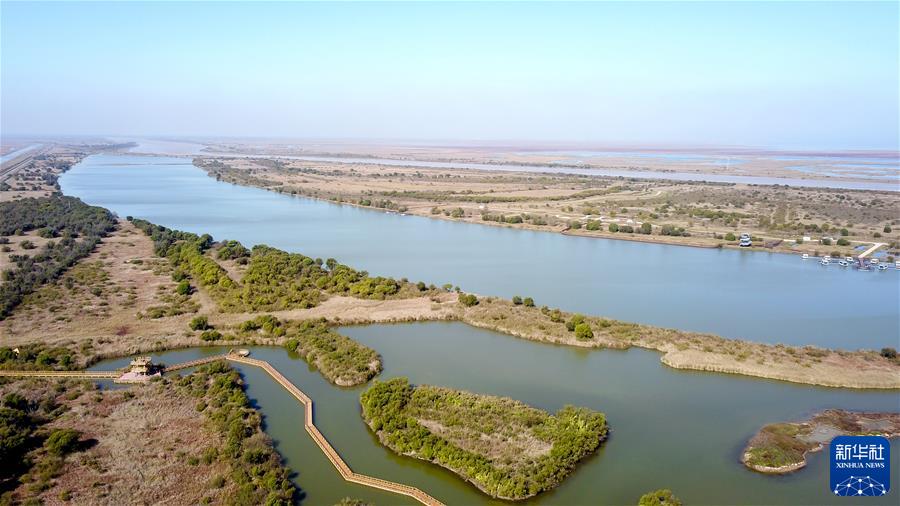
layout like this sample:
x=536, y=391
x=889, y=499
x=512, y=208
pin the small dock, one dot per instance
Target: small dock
x=871, y=250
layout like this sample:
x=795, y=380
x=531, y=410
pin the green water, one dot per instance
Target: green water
x=671, y=429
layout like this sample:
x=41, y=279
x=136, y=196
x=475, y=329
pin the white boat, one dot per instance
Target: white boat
x=824, y=261
x=806, y=256
x=844, y=263
x=849, y=259
x=746, y=241
x=827, y=257
x=882, y=267
x=873, y=261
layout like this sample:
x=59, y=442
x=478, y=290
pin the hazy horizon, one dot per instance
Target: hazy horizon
x=795, y=76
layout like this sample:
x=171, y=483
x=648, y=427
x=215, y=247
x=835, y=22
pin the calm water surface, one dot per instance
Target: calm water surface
x=759, y=296
x=671, y=429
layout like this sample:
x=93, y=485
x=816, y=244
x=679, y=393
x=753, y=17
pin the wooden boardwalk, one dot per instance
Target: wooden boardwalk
x=318, y=438
x=326, y=447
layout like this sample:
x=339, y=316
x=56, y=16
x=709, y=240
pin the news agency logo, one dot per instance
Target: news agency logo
x=860, y=465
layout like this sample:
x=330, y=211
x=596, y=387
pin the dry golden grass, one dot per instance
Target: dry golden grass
x=144, y=438
x=99, y=303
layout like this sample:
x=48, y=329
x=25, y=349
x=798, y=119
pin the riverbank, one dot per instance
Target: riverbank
x=677, y=213
x=781, y=448
x=693, y=351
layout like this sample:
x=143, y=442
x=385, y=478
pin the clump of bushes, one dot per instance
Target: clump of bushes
x=340, y=359
x=467, y=299
x=199, y=323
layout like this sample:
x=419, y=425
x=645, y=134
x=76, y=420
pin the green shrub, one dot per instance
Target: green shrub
x=211, y=335
x=583, y=331
x=183, y=288
x=199, y=323
x=529, y=302
x=517, y=300
x=889, y=353
x=574, y=321
x=467, y=299
x=62, y=441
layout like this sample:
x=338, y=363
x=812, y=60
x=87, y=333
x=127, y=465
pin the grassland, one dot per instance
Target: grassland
x=780, y=448
x=193, y=440
x=505, y=448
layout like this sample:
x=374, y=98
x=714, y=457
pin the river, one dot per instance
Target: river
x=765, y=297
x=670, y=429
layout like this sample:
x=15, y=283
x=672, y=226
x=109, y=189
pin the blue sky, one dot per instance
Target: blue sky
x=789, y=75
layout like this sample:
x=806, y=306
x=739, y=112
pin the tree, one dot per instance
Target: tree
x=331, y=264
x=529, y=302
x=843, y=242
x=845, y=232
x=583, y=331
x=889, y=353
x=613, y=227
x=730, y=237
x=887, y=229
x=661, y=497
x=646, y=228
x=517, y=300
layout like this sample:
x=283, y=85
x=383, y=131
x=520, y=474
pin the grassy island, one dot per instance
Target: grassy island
x=505, y=448
x=780, y=448
x=340, y=359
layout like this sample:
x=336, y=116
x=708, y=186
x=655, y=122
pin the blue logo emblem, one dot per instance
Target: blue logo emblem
x=860, y=465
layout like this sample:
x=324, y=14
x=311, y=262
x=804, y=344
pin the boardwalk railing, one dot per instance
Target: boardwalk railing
x=326, y=447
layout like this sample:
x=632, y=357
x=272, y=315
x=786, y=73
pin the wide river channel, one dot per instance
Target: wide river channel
x=670, y=429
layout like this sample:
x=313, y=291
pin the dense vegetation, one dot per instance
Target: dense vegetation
x=78, y=226
x=273, y=280
x=340, y=359
x=255, y=467
x=661, y=497
x=36, y=356
x=507, y=449
x=57, y=215
x=30, y=452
